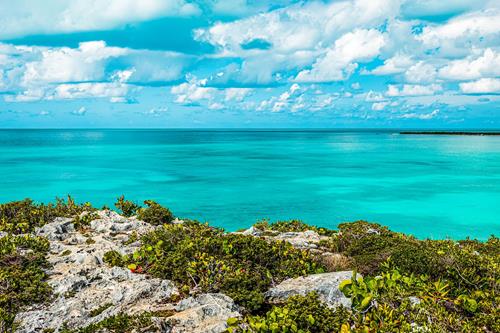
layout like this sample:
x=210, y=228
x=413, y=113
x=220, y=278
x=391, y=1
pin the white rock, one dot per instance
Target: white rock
x=326, y=285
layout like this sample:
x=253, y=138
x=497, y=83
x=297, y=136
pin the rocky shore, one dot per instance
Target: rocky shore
x=100, y=271
x=87, y=290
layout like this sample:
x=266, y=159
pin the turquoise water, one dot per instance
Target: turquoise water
x=430, y=186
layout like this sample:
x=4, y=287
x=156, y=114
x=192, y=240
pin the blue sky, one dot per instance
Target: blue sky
x=249, y=63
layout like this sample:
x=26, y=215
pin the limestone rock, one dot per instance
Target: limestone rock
x=325, y=284
x=205, y=313
x=302, y=240
x=87, y=290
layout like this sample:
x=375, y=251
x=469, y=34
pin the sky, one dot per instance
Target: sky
x=249, y=64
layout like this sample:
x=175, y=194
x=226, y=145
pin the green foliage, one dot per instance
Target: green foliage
x=100, y=309
x=113, y=258
x=384, y=303
x=24, y=216
x=121, y=323
x=83, y=221
x=154, y=213
x=408, y=284
x=291, y=226
x=305, y=314
x=126, y=207
x=22, y=277
x=202, y=258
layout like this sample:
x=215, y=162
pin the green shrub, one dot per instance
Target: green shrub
x=306, y=314
x=22, y=275
x=120, y=323
x=113, y=258
x=154, y=213
x=291, y=226
x=24, y=216
x=202, y=258
x=126, y=207
x=384, y=303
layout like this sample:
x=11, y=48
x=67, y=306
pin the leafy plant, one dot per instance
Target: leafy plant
x=154, y=213
x=305, y=314
x=126, y=207
x=22, y=277
x=201, y=258
x=24, y=216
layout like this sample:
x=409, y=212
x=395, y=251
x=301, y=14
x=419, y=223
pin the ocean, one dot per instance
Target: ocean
x=431, y=186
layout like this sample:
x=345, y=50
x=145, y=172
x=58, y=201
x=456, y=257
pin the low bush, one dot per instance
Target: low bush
x=154, y=213
x=24, y=216
x=126, y=207
x=22, y=275
x=205, y=259
x=291, y=226
x=305, y=314
x=120, y=323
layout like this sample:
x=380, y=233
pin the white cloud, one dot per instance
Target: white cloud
x=87, y=63
x=34, y=72
x=340, y=61
x=473, y=67
x=421, y=116
x=356, y=86
x=479, y=29
x=481, y=86
x=80, y=112
x=24, y=17
x=237, y=94
x=114, y=91
x=194, y=91
x=379, y=106
x=156, y=111
x=412, y=90
x=394, y=65
x=304, y=26
x=421, y=72
x=373, y=96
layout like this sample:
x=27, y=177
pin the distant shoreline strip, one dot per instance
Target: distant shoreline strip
x=449, y=133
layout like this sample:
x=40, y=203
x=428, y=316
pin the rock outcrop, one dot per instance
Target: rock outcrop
x=325, y=284
x=308, y=239
x=87, y=290
x=206, y=313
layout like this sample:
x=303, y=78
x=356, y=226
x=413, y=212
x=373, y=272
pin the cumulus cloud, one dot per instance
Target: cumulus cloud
x=394, y=65
x=86, y=63
x=156, y=111
x=61, y=72
x=341, y=61
x=481, y=86
x=379, y=106
x=473, y=67
x=303, y=26
x=421, y=72
x=412, y=90
x=304, y=36
x=421, y=116
x=479, y=29
x=80, y=112
x=195, y=92
x=55, y=16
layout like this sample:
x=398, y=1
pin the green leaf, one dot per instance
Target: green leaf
x=232, y=321
x=366, y=302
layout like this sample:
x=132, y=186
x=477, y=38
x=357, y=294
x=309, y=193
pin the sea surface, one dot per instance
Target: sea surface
x=427, y=185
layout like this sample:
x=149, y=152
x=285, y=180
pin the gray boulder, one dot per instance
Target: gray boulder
x=325, y=284
x=205, y=313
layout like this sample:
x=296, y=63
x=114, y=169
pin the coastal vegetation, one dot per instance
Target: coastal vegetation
x=400, y=283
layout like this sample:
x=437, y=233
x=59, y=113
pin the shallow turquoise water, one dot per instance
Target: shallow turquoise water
x=430, y=186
